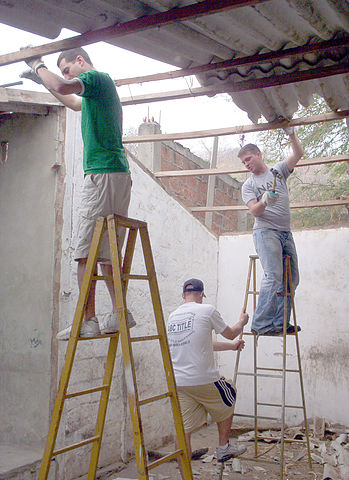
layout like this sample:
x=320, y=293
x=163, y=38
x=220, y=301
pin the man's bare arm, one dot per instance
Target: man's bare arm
x=256, y=207
x=224, y=346
x=297, y=152
x=235, y=330
x=62, y=89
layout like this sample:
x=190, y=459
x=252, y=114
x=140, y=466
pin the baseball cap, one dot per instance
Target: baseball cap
x=193, y=285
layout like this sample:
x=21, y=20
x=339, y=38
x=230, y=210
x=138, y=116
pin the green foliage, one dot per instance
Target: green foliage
x=326, y=182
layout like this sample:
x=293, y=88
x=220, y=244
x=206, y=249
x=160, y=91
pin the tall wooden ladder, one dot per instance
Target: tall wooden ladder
x=270, y=372
x=121, y=277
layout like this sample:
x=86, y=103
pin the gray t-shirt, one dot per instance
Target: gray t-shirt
x=278, y=215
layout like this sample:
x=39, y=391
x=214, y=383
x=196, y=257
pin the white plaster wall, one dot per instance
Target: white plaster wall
x=182, y=248
x=27, y=195
x=322, y=305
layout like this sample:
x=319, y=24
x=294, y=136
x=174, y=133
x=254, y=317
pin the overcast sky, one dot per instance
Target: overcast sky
x=174, y=116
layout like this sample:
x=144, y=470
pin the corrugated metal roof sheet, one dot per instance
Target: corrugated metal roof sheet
x=268, y=26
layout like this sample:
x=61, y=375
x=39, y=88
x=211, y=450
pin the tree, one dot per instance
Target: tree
x=325, y=182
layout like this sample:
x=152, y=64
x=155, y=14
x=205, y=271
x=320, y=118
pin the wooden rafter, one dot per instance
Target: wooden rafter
x=207, y=7
x=238, y=130
x=226, y=208
x=226, y=171
x=246, y=85
x=236, y=62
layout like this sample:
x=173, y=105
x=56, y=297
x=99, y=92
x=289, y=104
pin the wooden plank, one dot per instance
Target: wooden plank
x=236, y=62
x=28, y=96
x=238, y=130
x=140, y=24
x=211, y=184
x=225, y=208
x=225, y=171
x=14, y=107
x=244, y=86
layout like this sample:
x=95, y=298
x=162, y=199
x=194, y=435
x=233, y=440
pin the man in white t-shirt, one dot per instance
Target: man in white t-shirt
x=201, y=389
x=266, y=195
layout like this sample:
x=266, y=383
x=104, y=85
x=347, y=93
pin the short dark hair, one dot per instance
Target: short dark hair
x=70, y=55
x=250, y=147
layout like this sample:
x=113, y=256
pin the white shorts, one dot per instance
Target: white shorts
x=217, y=399
x=103, y=194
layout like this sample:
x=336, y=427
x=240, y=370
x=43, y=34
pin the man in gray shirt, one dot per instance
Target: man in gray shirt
x=271, y=232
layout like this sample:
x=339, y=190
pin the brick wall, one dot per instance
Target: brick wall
x=192, y=191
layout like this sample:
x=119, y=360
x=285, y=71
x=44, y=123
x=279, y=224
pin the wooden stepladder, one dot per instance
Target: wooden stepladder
x=271, y=372
x=120, y=278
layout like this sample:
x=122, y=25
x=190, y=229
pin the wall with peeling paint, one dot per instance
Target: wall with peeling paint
x=27, y=212
x=322, y=305
x=182, y=248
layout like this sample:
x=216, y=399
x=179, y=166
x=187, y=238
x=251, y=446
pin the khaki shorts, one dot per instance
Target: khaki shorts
x=102, y=194
x=197, y=401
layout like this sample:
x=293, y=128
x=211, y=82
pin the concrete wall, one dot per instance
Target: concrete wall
x=27, y=246
x=182, y=248
x=322, y=305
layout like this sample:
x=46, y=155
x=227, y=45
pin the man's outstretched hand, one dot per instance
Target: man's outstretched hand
x=269, y=198
x=35, y=62
x=31, y=75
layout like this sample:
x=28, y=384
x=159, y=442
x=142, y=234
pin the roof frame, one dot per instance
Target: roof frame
x=195, y=10
x=237, y=62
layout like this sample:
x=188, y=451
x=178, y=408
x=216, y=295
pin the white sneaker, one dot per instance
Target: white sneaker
x=89, y=328
x=229, y=451
x=111, y=323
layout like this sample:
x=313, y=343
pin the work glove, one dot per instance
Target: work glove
x=31, y=75
x=269, y=198
x=35, y=62
x=289, y=130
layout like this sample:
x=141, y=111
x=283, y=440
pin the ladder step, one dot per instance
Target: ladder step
x=104, y=335
x=288, y=440
x=164, y=459
x=155, y=398
x=129, y=276
x=143, y=339
x=85, y=392
x=248, y=374
x=258, y=416
x=77, y=445
x=278, y=405
x=288, y=370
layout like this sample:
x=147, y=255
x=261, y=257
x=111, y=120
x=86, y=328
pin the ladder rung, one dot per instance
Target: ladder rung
x=258, y=416
x=248, y=374
x=106, y=335
x=102, y=277
x=278, y=405
x=143, y=339
x=85, y=392
x=155, y=398
x=164, y=459
x=278, y=369
x=77, y=445
x=256, y=292
x=288, y=440
x=131, y=276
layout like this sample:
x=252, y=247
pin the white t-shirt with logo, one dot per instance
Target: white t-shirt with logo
x=189, y=332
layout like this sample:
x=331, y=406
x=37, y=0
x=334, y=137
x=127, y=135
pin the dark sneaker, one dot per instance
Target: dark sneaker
x=291, y=329
x=225, y=453
x=272, y=332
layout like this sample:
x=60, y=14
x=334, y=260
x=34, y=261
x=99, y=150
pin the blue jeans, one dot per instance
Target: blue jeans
x=271, y=245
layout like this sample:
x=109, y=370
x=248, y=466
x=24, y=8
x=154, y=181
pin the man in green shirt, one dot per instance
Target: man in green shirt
x=107, y=180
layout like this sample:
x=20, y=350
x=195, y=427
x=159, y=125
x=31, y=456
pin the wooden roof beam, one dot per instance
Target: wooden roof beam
x=229, y=171
x=226, y=208
x=265, y=82
x=207, y=7
x=238, y=130
x=236, y=62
